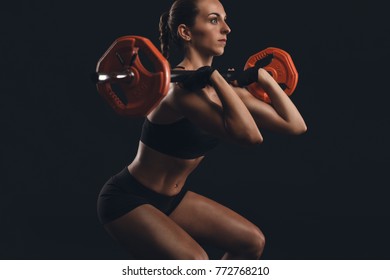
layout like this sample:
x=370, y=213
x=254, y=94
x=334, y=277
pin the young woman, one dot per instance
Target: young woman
x=146, y=207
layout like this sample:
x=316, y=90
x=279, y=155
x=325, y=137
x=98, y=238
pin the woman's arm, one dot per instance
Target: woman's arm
x=231, y=121
x=282, y=116
x=237, y=118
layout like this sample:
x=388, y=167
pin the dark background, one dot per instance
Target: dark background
x=321, y=195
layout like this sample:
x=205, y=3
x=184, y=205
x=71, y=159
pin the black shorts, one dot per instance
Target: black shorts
x=122, y=193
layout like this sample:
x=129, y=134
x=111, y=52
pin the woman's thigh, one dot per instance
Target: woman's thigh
x=147, y=233
x=211, y=223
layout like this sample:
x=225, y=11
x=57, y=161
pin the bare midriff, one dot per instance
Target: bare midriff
x=160, y=172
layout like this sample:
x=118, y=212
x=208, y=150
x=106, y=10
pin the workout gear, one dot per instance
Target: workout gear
x=123, y=193
x=281, y=68
x=138, y=90
x=181, y=139
x=251, y=75
x=198, y=79
x=133, y=90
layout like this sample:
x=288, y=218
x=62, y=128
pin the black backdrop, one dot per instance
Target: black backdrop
x=322, y=195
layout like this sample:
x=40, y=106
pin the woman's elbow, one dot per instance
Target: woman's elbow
x=298, y=129
x=251, y=139
x=254, y=141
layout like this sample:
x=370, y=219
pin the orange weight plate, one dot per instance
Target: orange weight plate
x=281, y=68
x=144, y=91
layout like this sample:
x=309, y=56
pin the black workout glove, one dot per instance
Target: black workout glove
x=251, y=75
x=247, y=77
x=198, y=79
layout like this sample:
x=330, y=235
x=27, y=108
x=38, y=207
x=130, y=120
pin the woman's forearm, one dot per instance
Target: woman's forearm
x=238, y=120
x=281, y=102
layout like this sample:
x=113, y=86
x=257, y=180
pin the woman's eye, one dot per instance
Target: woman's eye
x=214, y=20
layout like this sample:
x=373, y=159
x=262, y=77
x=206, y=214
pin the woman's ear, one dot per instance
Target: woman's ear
x=184, y=32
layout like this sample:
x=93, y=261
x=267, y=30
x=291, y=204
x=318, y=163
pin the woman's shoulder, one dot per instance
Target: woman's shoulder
x=175, y=93
x=166, y=111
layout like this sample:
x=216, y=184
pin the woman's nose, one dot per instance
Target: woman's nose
x=225, y=28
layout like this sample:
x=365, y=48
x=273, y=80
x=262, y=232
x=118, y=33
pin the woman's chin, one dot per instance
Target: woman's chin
x=219, y=52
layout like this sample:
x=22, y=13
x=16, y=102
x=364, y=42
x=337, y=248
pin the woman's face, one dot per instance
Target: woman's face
x=209, y=34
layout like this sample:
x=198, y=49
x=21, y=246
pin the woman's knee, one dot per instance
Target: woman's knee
x=260, y=240
x=199, y=254
x=254, y=242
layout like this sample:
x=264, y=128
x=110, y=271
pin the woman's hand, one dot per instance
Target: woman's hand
x=264, y=78
x=252, y=75
x=198, y=79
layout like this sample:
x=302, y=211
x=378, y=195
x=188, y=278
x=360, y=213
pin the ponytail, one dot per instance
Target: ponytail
x=165, y=34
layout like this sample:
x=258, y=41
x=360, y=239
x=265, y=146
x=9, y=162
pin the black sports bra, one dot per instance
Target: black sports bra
x=181, y=139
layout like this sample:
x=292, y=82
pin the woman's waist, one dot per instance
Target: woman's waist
x=157, y=181
x=136, y=184
x=162, y=173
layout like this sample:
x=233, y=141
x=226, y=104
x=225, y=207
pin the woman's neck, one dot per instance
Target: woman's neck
x=193, y=61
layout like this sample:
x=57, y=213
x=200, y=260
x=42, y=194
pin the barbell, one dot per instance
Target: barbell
x=132, y=90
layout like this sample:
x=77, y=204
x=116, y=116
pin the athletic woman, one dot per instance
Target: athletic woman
x=147, y=206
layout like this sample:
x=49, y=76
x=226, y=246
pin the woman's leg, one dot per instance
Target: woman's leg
x=210, y=222
x=147, y=233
